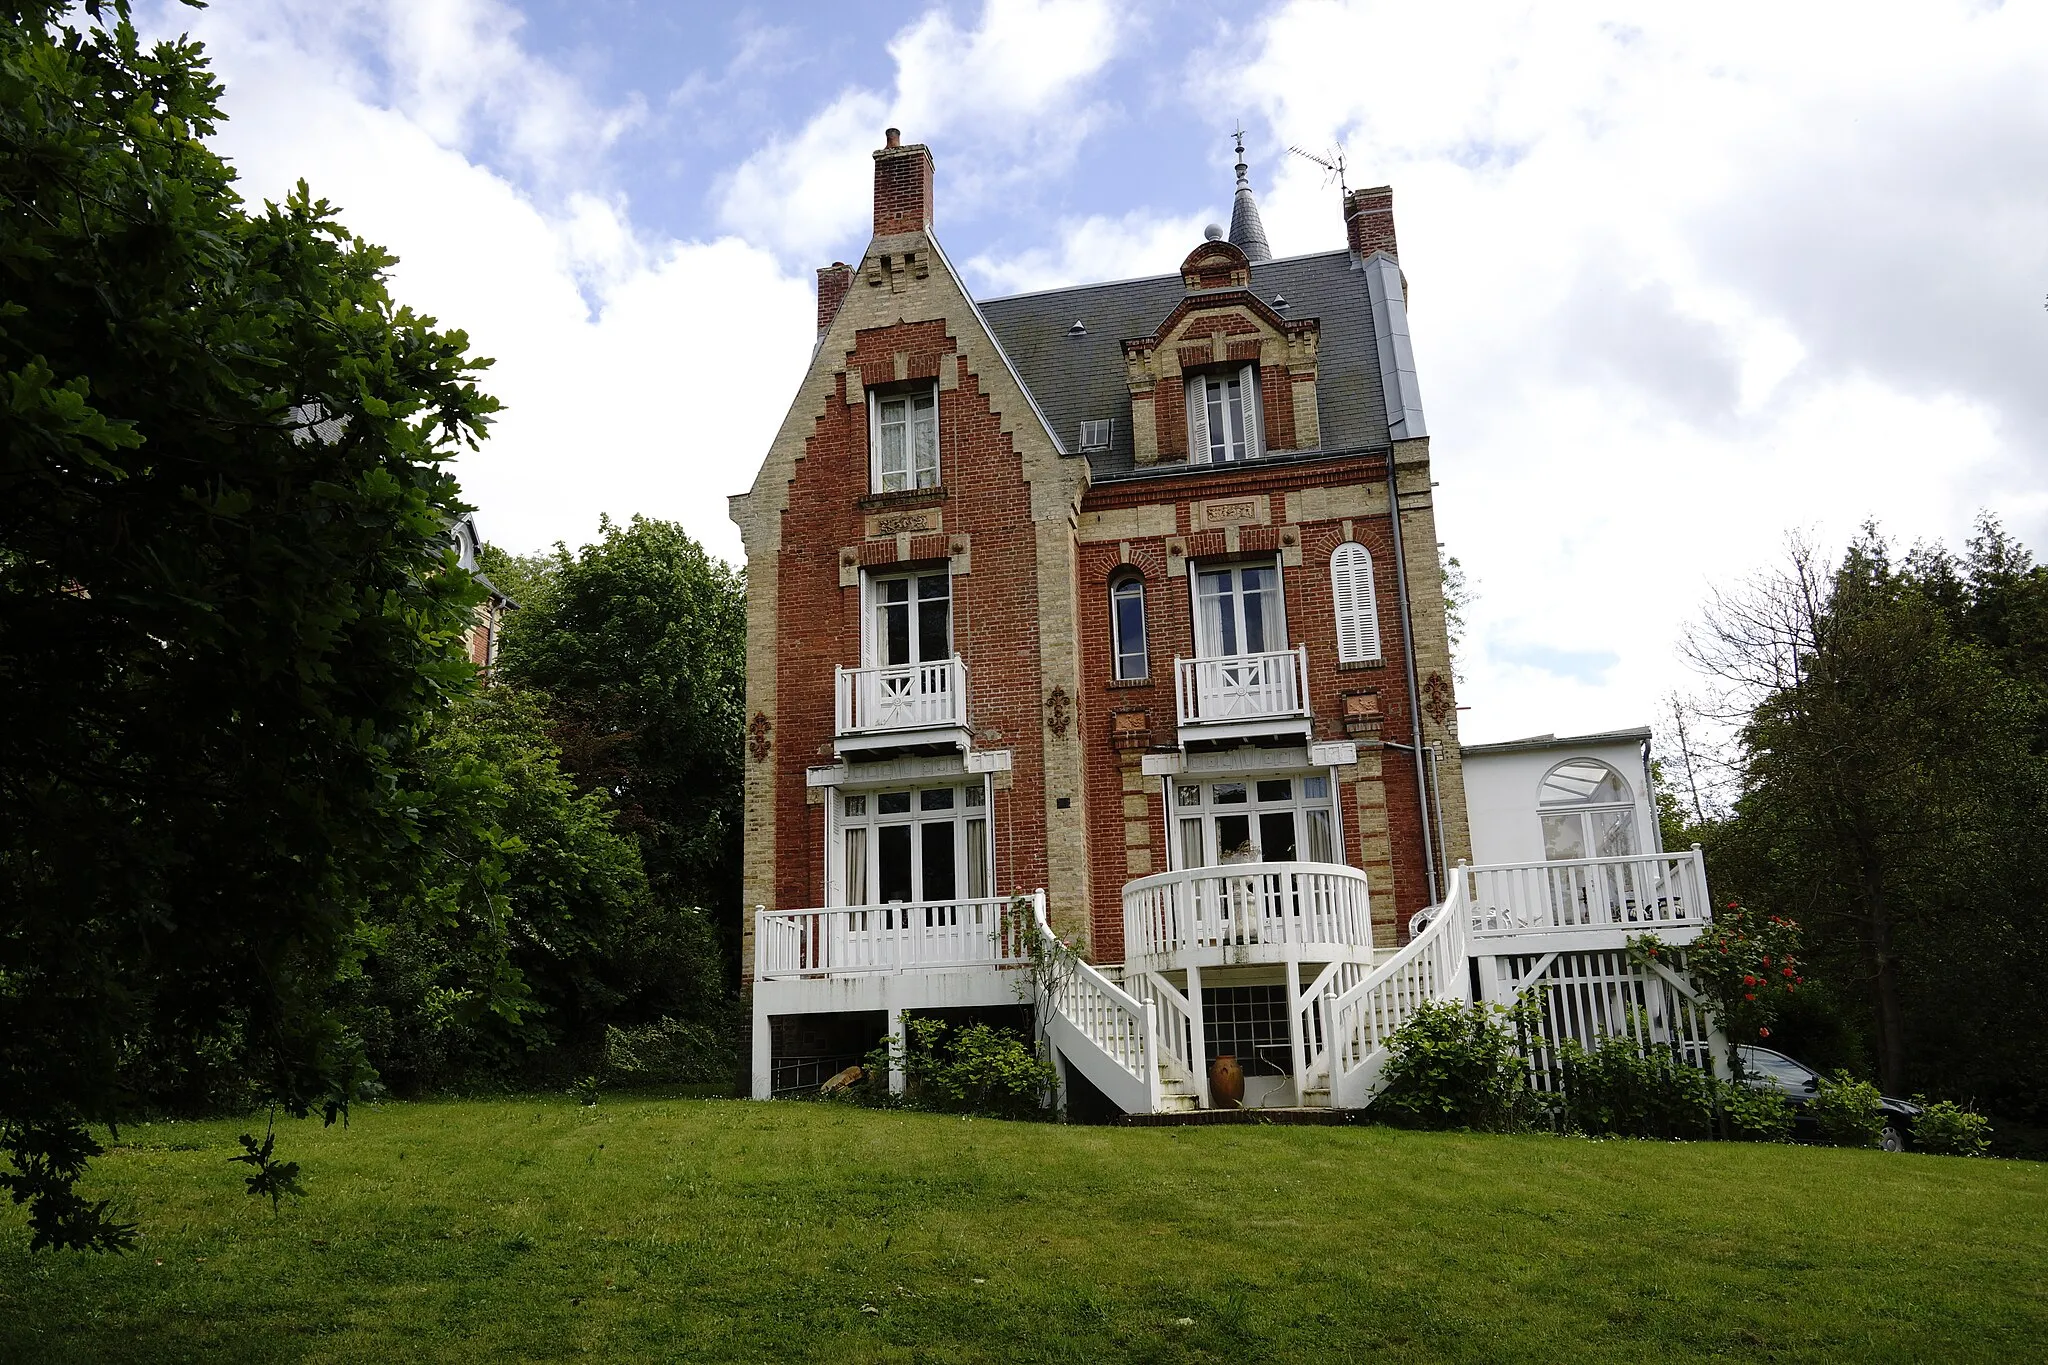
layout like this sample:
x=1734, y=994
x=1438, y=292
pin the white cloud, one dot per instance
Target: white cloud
x=1682, y=280
x=1092, y=249
x=627, y=388
x=1013, y=82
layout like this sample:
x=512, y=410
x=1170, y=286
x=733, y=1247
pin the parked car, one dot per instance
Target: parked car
x=1799, y=1083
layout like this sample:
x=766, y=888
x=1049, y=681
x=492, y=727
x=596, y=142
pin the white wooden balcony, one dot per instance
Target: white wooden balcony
x=1586, y=903
x=1247, y=913
x=867, y=940
x=1234, y=696
x=902, y=706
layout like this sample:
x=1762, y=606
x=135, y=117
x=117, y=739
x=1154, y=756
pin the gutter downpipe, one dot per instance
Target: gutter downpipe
x=1414, y=688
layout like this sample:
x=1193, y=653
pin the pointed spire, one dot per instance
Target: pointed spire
x=1247, y=233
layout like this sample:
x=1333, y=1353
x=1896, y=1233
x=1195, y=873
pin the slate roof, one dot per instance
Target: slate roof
x=1077, y=378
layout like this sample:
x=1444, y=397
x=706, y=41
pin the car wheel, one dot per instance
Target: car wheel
x=1894, y=1139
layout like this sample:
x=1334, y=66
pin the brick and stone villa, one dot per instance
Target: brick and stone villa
x=1119, y=609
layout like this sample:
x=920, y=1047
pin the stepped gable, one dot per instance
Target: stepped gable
x=1079, y=377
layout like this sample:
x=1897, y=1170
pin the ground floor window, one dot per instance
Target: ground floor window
x=914, y=844
x=1250, y=1024
x=1255, y=820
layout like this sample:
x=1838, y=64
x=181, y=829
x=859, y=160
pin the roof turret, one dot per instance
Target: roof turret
x=1247, y=233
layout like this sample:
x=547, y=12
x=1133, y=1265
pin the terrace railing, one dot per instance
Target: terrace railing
x=1663, y=893
x=1242, y=905
x=867, y=939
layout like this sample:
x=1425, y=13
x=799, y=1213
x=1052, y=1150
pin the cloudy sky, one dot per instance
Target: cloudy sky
x=1683, y=279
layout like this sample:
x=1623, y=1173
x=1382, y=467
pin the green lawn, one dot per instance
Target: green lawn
x=719, y=1230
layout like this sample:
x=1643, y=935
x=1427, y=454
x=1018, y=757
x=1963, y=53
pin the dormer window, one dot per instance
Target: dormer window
x=1095, y=435
x=1223, y=416
x=903, y=433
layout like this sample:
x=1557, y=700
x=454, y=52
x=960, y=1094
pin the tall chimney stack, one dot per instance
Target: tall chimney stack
x=1369, y=222
x=834, y=282
x=903, y=187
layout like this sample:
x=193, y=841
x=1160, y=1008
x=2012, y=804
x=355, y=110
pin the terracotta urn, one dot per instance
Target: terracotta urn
x=1226, y=1082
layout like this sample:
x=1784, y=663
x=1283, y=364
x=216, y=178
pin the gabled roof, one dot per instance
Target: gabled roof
x=1077, y=377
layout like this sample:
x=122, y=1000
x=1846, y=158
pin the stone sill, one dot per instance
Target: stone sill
x=909, y=499
x=1361, y=665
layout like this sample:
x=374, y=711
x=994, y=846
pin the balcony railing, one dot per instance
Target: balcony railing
x=927, y=696
x=1236, y=688
x=1661, y=893
x=1245, y=906
x=864, y=940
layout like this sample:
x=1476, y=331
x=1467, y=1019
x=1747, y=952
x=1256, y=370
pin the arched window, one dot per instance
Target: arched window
x=1127, y=626
x=1588, y=811
x=1358, y=615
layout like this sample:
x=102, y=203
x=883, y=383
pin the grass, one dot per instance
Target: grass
x=719, y=1230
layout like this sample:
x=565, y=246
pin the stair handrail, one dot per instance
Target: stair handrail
x=1080, y=994
x=1358, y=1023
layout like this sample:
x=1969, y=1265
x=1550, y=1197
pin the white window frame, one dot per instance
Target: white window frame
x=1118, y=584
x=912, y=474
x=1195, y=573
x=870, y=612
x=1355, y=599
x=1205, y=811
x=967, y=812
x=1200, y=447
x=1584, y=812
x=1104, y=431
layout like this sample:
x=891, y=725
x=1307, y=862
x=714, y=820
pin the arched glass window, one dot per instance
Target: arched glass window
x=1358, y=616
x=1588, y=811
x=1127, y=627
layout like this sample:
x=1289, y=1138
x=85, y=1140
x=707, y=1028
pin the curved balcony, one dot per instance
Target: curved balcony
x=1247, y=913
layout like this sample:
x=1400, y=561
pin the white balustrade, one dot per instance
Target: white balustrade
x=1652, y=893
x=1358, y=1024
x=1245, y=904
x=1180, y=1033
x=1123, y=1031
x=867, y=939
x=1240, y=687
x=902, y=697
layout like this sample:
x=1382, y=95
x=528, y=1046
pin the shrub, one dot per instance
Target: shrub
x=1848, y=1112
x=1620, y=1089
x=976, y=1069
x=1948, y=1129
x=670, y=1052
x=1755, y=1114
x=1455, y=1065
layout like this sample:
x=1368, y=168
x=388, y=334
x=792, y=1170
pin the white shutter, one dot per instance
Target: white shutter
x=1254, y=426
x=1358, y=620
x=1198, y=422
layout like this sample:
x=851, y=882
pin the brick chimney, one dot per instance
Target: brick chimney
x=903, y=187
x=834, y=281
x=1369, y=222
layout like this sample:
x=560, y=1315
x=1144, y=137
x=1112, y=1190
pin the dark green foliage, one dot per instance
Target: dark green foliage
x=1456, y=1065
x=1755, y=1113
x=639, y=642
x=1894, y=800
x=1848, y=1112
x=1621, y=1089
x=227, y=604
x=975, y=1069
x=48, y=1158
x=270, y=1177
x=1944, y=1128
x=674, y=1052
x=459, y=989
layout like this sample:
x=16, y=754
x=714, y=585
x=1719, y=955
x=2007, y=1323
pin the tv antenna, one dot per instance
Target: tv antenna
x=1331, y=161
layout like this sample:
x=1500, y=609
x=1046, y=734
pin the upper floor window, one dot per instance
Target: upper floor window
x=904, y=435
x=1588, y=811
x=910, y=619
x=1095, y=435
x=1223, y=416
x=1127, y=627
x=1358, y=617
x=1239, y=610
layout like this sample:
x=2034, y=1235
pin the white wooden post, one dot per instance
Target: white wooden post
x=763, y=1040
x=1200, y=1041
x=896, y=1077
x=1297, y=1051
